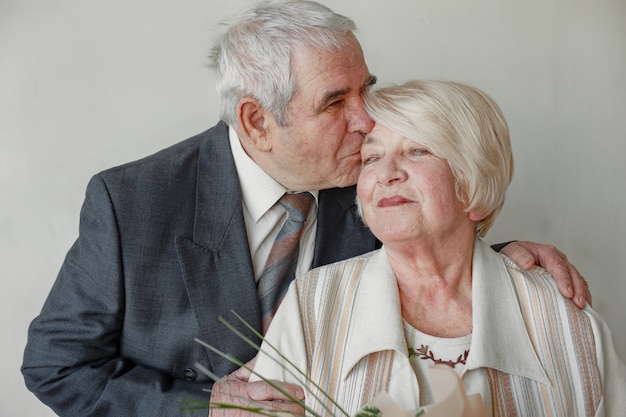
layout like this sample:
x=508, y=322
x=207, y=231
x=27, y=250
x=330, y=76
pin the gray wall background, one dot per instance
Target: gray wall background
x=85, y=85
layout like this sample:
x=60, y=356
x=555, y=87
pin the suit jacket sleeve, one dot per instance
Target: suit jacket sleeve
x=76, y=359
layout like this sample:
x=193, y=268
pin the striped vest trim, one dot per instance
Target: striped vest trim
x=336, y=306
x=513, y=395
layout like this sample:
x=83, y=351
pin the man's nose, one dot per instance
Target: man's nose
x=358, y=119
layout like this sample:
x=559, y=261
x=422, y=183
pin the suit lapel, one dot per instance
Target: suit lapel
x=216, y=264
x=340, y=232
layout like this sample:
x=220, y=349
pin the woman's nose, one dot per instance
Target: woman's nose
x=391, y=171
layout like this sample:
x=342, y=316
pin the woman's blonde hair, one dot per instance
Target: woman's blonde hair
x=461, y=124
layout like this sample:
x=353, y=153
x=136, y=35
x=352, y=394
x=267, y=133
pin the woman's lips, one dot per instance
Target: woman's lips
x=392, y=201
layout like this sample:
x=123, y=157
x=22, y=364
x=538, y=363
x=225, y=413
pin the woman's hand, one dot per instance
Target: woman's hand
x=570, y=282
x=234, y=389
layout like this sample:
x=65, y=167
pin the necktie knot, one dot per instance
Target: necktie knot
x=297, y=205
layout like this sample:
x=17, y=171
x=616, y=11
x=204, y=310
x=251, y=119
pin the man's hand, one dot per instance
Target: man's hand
x=571, y=284
x=234, y=389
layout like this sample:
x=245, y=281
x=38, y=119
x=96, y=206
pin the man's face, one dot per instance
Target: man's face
x=320, y=147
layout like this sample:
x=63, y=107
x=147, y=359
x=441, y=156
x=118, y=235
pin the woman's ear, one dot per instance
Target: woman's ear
x=255, y=123
x=475, y=217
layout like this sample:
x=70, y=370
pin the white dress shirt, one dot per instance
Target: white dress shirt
x=263, y=216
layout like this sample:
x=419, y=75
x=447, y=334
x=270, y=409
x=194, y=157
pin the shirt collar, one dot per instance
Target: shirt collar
x=259, y=190
x=376, y=322
x=499, y=338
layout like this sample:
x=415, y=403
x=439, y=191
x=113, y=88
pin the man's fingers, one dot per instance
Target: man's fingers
x=581, y=288
x=288, y=408
x=570, y=282
x=559, y=268
x=262, y=391
x=230, y=390
x=520, y=255
x=234, y=389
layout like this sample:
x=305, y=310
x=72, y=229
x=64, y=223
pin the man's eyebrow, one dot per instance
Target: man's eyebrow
x=332, y=95
x=370, y=81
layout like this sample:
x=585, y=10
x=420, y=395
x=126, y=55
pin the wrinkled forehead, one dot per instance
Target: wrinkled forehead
x=322, y=71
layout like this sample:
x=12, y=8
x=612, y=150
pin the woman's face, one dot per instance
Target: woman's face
x=406, y=192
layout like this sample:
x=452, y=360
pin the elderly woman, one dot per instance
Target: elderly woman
x=435, y=170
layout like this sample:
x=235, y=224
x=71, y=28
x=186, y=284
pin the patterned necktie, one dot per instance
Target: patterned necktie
x=280, y=267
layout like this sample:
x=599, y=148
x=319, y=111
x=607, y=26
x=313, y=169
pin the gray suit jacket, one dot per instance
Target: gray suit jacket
x=162, y=253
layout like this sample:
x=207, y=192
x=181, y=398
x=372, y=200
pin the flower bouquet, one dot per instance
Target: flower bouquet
x=450, y=399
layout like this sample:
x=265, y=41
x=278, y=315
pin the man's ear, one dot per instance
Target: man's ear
x=256, y=123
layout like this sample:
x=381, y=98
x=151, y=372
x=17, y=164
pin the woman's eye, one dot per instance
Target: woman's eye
x=419, y=152
x=368, y=160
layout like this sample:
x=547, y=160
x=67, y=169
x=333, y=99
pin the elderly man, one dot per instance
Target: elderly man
x=171, y=242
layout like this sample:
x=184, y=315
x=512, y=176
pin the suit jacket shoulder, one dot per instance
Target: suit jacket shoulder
x=341, y=233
